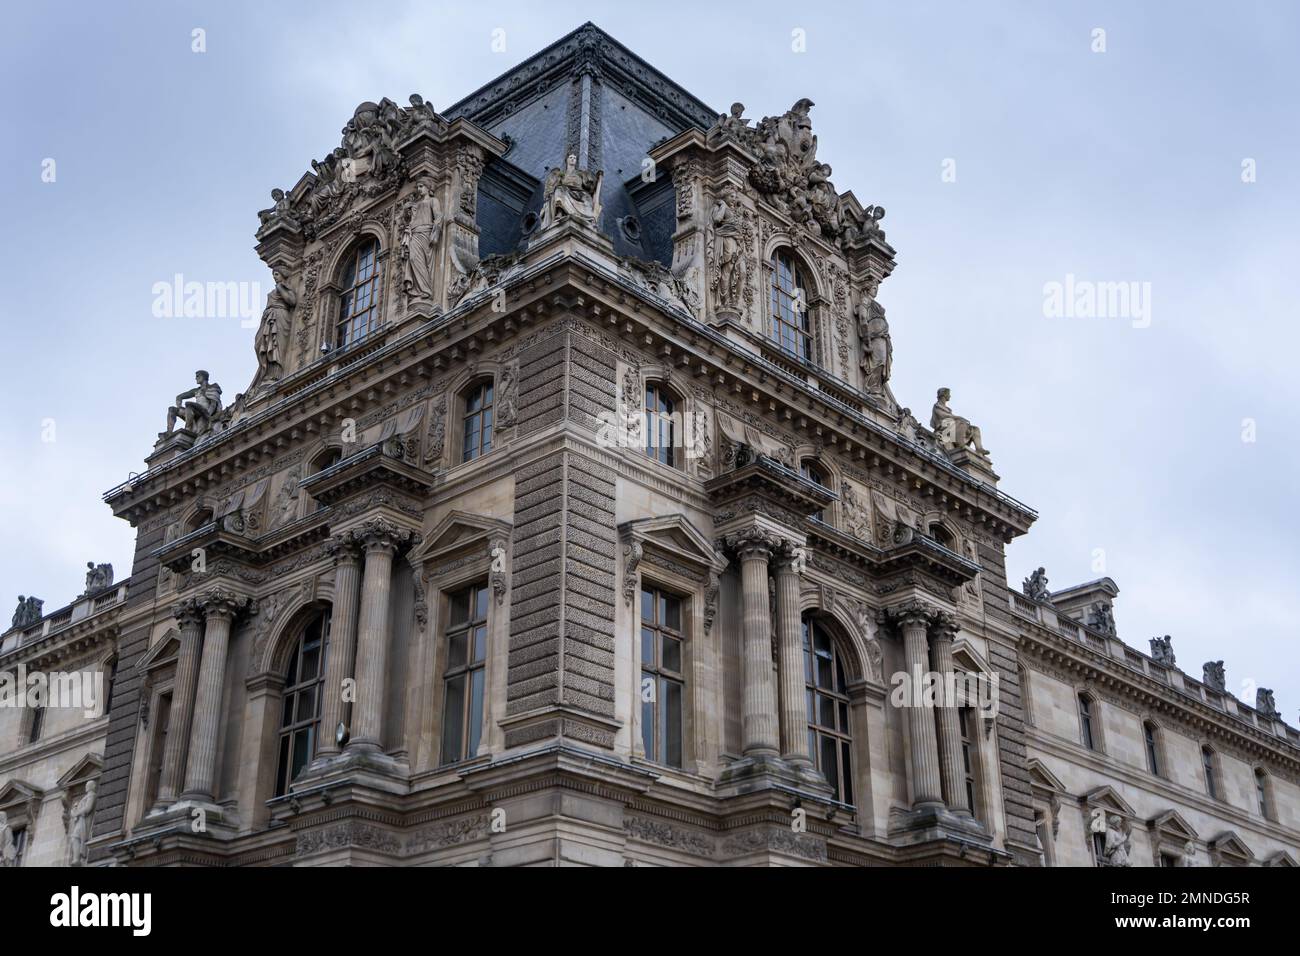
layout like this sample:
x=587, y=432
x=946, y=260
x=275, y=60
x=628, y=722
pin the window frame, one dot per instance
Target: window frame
x=654, y=419
x=483, y=416
x=654, y=719
x=346, y=317
x=844, y=786
x=811, y=468
x=288, y=732
x=782, y=303
x=470, y=737
x=1210, y=772
x=1151, y=747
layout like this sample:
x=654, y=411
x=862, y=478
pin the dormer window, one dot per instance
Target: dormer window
x=791, y=321
x=359, y=300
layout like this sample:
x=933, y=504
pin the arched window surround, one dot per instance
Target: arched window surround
x=785, y=329
x=459, y=391
x=1091, y=733
x=330, y=293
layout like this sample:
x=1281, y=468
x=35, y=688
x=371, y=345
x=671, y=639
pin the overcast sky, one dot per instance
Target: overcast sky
x=1008, y=152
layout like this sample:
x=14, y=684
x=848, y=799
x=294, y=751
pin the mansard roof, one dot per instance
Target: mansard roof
x=586, y=49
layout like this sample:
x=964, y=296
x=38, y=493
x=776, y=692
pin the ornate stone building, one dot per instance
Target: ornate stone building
x=571, y=519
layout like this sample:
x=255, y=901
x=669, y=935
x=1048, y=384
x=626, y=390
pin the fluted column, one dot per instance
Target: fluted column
x=790, y=665
x=341, y=655
x=190, y=617
x=219, y=609
x=942, y=631
x=381, y=539
x=758, y=714
x=913, y=619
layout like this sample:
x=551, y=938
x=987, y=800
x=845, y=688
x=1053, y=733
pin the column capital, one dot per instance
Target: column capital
x=188, y=612
x=344, y=548
x=380, y=534
x=790, y=557
x=911, y=613
x=220, y=602
x=754, y=543
x=943, y=626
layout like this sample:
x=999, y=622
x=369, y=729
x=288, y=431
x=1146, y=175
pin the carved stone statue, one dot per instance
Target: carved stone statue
x=877, y=346
x=1162, y=649
x=1212, y=675
x=421, y=233
x=28, y=612
x=278, y=213
x=1119, y=843
x=1265, y=704
x=1102, y=618
x=1035, y=587
x=571, y=193
x=954, y=432
x=98, y=576
x=79, y=833
x=857, y=519
x=1189, y=853
x=733, y=124
x=907, y=424
x=197, y=415
x=727, y=229
x=8, y=845
x=274, y=330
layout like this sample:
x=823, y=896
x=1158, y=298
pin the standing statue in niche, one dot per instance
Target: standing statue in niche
x=954, y=432
x=728, y=229
x=196, y=415
x=274, y=330
x=877, y=346
x=1118, y=843
x=79, y=833
x=571, y=193
x=421, y=234
x=8, y=845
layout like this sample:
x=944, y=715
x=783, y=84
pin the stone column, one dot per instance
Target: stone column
x=381, y=540
x=190, y=617
x=790, y=663
x=942, y=631
x=758, y=715
x=341, y=655
x=219, y=609
x=913, y=618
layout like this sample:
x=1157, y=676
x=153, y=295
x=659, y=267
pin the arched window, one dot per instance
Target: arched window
x=1209, y=763
x=464, y=680
x=663, y=678
x=1087, y=723
x=1263, y=794
x=791, y=322
x=829, y=738
x=360, y=296
x=202, y=518
x=1151, y=742
x=811, y=470
x=661, y=436
x=478, y=422
x=941, y=535
x=300, y=713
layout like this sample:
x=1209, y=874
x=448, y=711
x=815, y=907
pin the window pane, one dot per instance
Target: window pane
x=648, y=717
x=456, y=651
x=673, y=613
x=307, y=704
x=647, y=647
x=825, y=711
x=310, y=662
x=847, y=771
x=480, y=644
x=480, y=604
x=672, y=733
x=475, y=712
x=453, y=718
x=301, y=752
x=672, y=654
x=459, y=607
x=647, y=606
x=282, y=767
x=830, y=765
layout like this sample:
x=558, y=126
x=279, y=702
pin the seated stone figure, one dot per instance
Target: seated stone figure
x=571, y=193
x=196, y=415
x=952, y=431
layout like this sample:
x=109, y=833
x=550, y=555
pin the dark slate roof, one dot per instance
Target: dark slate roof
x=584, y=88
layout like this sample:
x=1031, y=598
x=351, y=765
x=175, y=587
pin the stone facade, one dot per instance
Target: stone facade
x=665, y=614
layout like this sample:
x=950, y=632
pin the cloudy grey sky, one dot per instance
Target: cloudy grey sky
x=1116, y=166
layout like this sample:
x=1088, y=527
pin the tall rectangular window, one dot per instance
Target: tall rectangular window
x=1153, y=756
x=1086, y=730
x=968, y=757
x=662, y=677
x=1207, y=763
x=464, y=680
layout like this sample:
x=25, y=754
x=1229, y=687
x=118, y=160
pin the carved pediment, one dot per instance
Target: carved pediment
x=460, y=532
x=1041, y=777
x=20, y=801
x=85, y=769
x=1228, y=848
x=1172, y=826
x=675, y=538
x=163, y=652
x=1281, y=858
x=1108, y=798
